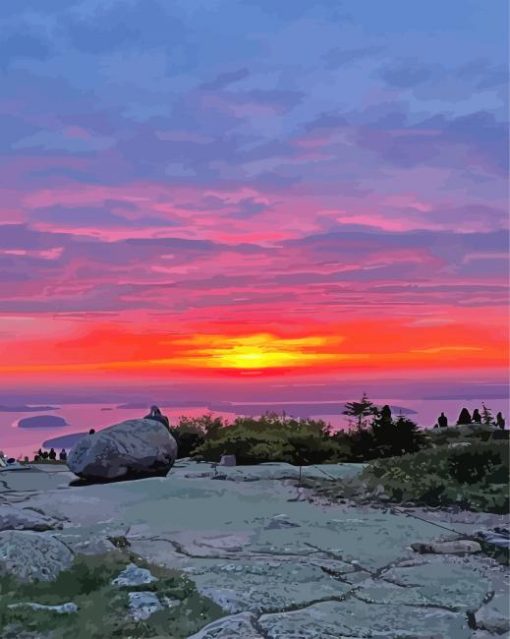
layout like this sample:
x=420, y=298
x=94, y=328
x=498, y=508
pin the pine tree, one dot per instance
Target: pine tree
x=360, y=410
x=487, y=418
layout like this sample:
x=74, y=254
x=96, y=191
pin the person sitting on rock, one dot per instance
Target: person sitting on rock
x=39, y=455
x=63, y=455
x=442, y=420
x=52, y=454
x=158, y=416
x=45, y=454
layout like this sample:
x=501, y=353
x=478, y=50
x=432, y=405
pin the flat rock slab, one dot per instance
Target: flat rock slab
x=494, y=616
x=31, y=556
x=283, y=568
x=445, y=582
x=352, y=618
x=237, y=626
x=243, y=586
x=17, y=518
x=267, y=471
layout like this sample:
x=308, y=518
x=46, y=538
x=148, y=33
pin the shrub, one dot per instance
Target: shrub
x=272, y=438
x=191, y=432
x=472, y=465
x=473, y=477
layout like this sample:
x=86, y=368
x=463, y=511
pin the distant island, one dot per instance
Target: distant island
x=23, y=408
x=42, y=421
x=63, y=441
x=292, y=409
x=168, y=404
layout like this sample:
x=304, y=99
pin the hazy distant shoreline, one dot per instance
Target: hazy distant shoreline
x=81, y=417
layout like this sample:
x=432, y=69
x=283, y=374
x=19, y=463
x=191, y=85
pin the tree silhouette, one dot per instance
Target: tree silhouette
x=360, y=410
x=477, y=418
x=487, y=418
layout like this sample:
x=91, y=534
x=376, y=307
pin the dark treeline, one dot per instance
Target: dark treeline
x=374, y=433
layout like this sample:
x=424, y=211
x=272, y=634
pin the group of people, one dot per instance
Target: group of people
x=51, y=455
x=476, y=418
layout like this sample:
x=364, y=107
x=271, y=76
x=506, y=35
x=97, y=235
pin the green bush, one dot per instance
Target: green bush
x=474, y=477
x=473, y=465
x=272, y=438
x=191, y=432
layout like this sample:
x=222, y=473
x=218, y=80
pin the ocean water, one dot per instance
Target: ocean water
x=16, y=441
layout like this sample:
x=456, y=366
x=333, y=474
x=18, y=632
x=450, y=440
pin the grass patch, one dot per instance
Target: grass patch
x=103, y=608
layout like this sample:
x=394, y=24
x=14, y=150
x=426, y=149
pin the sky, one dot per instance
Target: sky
x=240, y=190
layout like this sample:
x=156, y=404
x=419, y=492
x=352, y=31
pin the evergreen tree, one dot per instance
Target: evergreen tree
x=464, y=417
x=477, y=418
x=487, y=418
x=360, y=410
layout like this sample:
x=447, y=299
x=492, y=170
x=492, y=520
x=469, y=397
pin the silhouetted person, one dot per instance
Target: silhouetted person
x=158, y=416
x=52, y=454
x=442, y=420
x=477, y=418
x=38, y=455
x=500, y=421
x=45, y=454
x=464, y=417
x=386, y=414
x=63, y=455
x=91, y=431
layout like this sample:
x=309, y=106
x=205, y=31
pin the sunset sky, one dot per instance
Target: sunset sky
x=230, y=189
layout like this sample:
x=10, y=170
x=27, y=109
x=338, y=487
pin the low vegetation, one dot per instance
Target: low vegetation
x=88, y=584
x=473, y=476
x=464, y=465
x=273, y=438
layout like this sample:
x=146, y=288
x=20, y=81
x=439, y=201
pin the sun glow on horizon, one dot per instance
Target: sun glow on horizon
x=264, y=350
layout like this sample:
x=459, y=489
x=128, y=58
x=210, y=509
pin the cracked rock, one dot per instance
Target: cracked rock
x=233, y=627
x=459, y=547
x=13, y=518
x=493, y=616
x=31, y=556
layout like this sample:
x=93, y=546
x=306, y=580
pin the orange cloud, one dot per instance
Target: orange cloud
x=366, y=345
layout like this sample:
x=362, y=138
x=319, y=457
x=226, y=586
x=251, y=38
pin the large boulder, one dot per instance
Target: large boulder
x=132, y=449
x=31, y=556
